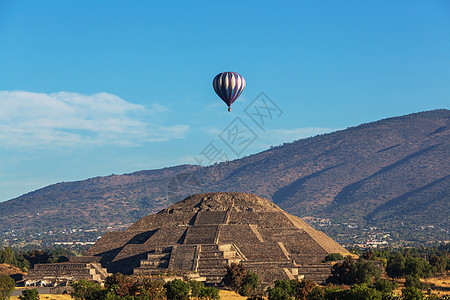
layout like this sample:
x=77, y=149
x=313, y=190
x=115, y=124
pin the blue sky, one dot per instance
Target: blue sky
x=92, y=88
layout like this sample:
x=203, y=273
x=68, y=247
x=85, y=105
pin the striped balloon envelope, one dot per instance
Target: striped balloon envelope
x=229, y=86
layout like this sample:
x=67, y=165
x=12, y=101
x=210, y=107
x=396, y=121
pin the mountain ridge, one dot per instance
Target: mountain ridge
x=370, y=174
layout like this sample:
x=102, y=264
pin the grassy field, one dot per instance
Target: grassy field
x=48, y=297
x=439, y=285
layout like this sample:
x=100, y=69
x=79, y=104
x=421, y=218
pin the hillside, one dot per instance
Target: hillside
x=392, y=174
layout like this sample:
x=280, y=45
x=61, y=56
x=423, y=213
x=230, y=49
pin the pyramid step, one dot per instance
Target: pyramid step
x=154, y=264
x=212, y=272
x=147, y=271
x=208, y=248
x=214, y=279
x=211, y=254
x=217, y=262
x=226, y=247
x=221, y=254
x=152, y=256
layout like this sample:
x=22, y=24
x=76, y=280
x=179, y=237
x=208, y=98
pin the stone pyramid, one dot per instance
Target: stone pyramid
x=205, y=232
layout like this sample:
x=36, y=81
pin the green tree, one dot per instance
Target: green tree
x=7, y=256
x=417, y=266
x=7, y=286
x=196, y=288
x=243, y=282
x=412, y=293
x=87, y=290
x=209, y=293
x=414, y=281
x=363, y=292
x=317, y=293
x=23, y=263
x=292, y=289
x=249, y=285
x=350, y=272
x=235, y=276
x=384, y=285
x=31, y=294
x=303, y=288
x=121, y=285
x=368, y=255
x=395, y=265
x=438, y=263
x=257, y=295
x=36, y=257
x=279, y=293
x=177, y=290
x=334, y=293
x=334, y=257
x=365, y=271
x=152, y=290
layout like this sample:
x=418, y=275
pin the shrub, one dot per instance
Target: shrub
x=412, y=293
x=240, y=281
x=29, y=295
x=257, y=295
x=303, y=288
x=334, y=257
x=278, y=293
x=121, y=285
x=249, y=285
x=414, y=281
x=368, y=255
x=291, y=289
x=196, y=288
x=400, y=266
x=7, y=256
x=363, y=292
x=209, y=293
x=417, y=266
x=87, y=290
x=438, y=263
x=235, y=276
x=334, y=293
x=349, y=272
x=317, y=293
x=177, y=290
x=384, y=285
x=152, y=290
x=395, y=265
x=7, y=286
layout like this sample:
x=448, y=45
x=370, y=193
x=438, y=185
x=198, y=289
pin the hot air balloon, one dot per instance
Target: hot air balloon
x=229, y=86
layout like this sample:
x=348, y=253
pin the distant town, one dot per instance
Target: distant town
x=349, y=234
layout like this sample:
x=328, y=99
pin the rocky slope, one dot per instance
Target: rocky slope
x=392, y=173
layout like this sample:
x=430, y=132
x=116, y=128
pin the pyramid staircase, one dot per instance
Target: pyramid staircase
x=318, y=273
x=156, y=260
x=213, y=260
x=68, y=271
x=209, y=261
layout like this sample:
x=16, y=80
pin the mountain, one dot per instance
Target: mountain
x=388, y=176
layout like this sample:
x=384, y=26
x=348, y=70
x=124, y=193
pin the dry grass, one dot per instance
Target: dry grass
x=440, y=285
x=224, y=295
x=230, y=295
x=48, y=297
x=6, y=269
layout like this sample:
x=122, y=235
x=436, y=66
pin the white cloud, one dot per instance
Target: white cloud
x=68, y=119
